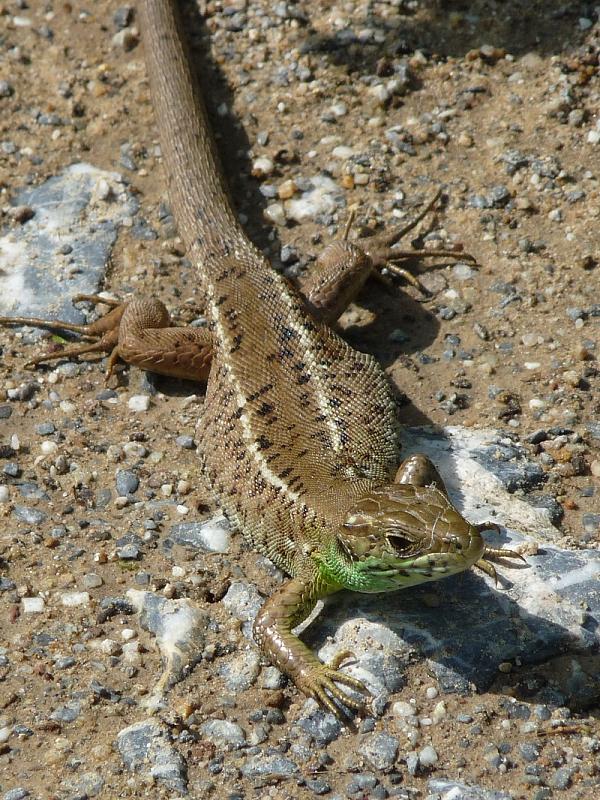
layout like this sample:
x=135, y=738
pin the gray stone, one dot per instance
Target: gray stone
x=321, y=726
x=529, y=751
x=210, y=536
x=18, y=793
x=225, y=734
x=67, y=713
x=380, y=750
x=243, y=600
x=126, y=481
x=90, y=784
x=562, y=778
x=269, y=767
x=146, y=748
x=129, y=552
x=241, y=671
x=45, y=428
x=362, y=784
x=68, y=209
x=187, y=442
x=32, y=516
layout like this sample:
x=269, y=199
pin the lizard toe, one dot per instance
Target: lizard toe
x=321, y=684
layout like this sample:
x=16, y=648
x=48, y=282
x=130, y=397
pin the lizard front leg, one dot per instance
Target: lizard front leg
x=140, y=333
x=343, y=267
x=273, y=627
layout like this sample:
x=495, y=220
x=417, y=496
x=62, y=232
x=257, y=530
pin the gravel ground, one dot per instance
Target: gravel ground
x=318, y=107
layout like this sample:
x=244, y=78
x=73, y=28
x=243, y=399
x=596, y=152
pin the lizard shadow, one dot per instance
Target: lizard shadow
x=400, y=328
x=464, y=629
x=450, y=29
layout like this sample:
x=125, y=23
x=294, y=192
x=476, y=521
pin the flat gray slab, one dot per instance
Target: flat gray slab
x=65, y=247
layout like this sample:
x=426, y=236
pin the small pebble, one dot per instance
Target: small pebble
x=32, y=605
x=71, y=599
x=91, y=581
x=261, y=167
x=139, y=402
x=428, y=756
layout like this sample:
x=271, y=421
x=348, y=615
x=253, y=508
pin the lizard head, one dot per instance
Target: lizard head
x=401, y=535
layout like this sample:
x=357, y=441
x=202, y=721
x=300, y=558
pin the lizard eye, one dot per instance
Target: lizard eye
x=401, y=543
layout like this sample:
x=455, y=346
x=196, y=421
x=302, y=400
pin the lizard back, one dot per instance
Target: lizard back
x=296, y=422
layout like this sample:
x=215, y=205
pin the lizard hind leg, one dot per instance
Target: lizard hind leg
x=102, y=334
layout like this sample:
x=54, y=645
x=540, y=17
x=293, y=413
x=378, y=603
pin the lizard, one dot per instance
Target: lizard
x=298, y=435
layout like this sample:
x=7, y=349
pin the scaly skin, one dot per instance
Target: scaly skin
x=298, y=435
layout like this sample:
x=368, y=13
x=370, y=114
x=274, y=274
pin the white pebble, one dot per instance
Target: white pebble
x=70, y=599
x=314, y=202
x=110, y=647
x=536, y=403
x=139, y=402
x=342, y=151
x=131, y=652
x=135, y=450
x=439, y=712
x=183, y=487
x=178, y=572
x=275, y=213
x=593, y=137
x=595, y=468
x=532, y=365
x=216, y=534
x=380, y=93
x=339, y=109
x=431, y=692
x=5, y=733
x=183, y=510
x=4, y=494
x=261, y=167
x=33, y=605
x=403, y=709
x=103, y=190
x=531, y=339
x=127, y=634
x=428, y=756
x=48, y=448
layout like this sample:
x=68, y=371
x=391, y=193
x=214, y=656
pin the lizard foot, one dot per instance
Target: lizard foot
x=495, y=552
x=384, y=255
x=319, y=682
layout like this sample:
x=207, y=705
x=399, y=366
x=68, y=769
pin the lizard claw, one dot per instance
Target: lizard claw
x=319, y=682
